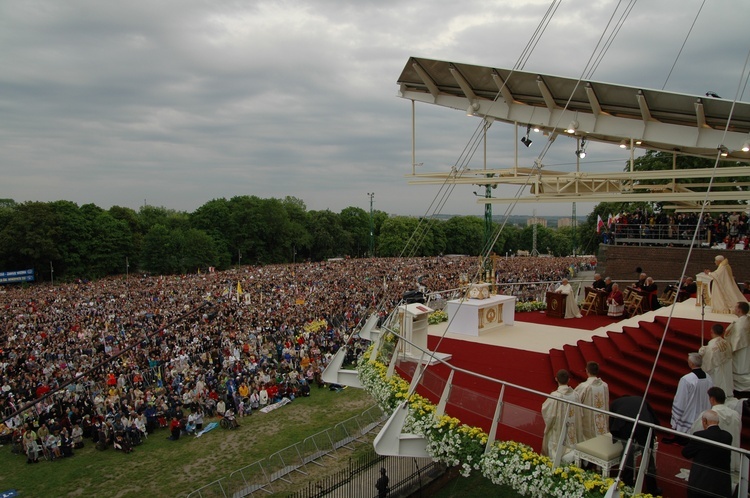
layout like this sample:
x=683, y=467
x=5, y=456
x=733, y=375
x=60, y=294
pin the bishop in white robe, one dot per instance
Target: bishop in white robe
x=593, y=392
x=738, y=335
x=554, y=413
x=717, y=359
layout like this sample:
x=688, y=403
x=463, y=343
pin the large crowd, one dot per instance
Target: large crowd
x=720, y=230
x=114, y=359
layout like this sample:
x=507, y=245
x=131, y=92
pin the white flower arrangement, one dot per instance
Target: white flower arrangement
x=456, y=444
x=530, y=306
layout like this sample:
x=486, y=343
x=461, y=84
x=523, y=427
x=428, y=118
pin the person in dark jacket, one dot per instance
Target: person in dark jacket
x=710, y=473
x=621, y=429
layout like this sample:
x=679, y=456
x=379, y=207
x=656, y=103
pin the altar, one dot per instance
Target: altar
x=475, y=316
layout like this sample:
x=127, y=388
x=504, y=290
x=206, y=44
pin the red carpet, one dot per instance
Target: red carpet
x=625, y=361
x=586, y=322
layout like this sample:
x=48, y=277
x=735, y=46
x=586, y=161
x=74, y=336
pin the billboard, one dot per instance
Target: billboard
x=11, y=277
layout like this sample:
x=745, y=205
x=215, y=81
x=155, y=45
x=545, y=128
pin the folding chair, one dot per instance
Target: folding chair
x=590, y=303
x=634, y=306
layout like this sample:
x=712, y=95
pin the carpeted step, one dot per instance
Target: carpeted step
x=607, y=349
x=557, y=361
x=576, y=363
x=623, y=341
x=590, y=352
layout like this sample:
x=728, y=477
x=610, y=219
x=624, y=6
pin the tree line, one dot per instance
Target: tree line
x=68, y=241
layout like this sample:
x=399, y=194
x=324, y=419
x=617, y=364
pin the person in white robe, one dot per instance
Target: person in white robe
x=724, y=291
x=691, y=398
x=571, y=306
x=738, y=335
x=729, y=420
x=593, y=392
x=554, y=413
x=717, y=359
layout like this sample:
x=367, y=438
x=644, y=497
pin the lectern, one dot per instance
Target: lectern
x=556, y=305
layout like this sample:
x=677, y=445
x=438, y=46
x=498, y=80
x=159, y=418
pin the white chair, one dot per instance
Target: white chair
x=600, y=451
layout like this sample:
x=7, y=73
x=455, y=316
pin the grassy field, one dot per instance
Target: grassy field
x=474, y=485
x=160, y=467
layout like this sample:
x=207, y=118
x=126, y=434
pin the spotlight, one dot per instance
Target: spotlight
x=624, y=144
x=536, y=129
x=724, y=151
x=572, y=127
x=526, y=140
x=472, y=109
x=746, y=146
x=638, y=142
x=581, y=153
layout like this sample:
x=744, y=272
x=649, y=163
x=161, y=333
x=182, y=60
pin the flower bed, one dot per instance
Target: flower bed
x=456, y=444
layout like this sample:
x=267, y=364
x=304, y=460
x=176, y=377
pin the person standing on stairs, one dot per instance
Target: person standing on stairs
x=717, y=359
x=738, y=335
x=691, y=398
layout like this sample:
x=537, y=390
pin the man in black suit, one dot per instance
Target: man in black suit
x=620, y=429
x=709, y=475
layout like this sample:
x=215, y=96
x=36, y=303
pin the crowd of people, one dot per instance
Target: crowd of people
x=720, y=230
x=114, y=359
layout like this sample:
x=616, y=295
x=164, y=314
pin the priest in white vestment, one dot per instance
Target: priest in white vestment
x=554, y=412
x=738, y=335
x=593, y=392
x=691, y=398
x=717, y=359
x=724, y=291
x=729, y=420
x=571, y=306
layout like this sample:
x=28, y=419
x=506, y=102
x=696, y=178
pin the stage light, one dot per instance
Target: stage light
x=581, y=152
x=526, y=140
x=472, y=109
x=746, y=146
x=624, y=144
x=572, y=127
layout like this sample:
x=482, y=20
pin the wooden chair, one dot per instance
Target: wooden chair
x=590, y=303
x=634, y=305
x=668, y=297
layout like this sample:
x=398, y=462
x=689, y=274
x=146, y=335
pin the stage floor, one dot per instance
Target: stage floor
x=541, y=338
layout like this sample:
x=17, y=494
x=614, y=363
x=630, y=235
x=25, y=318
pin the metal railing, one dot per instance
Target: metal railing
x=260, y=475
x=362, y=473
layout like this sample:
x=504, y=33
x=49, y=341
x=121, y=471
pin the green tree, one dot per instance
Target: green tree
x=356, y=224
x=464, y=235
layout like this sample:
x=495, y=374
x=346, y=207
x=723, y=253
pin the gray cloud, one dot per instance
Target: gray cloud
x=176, y=103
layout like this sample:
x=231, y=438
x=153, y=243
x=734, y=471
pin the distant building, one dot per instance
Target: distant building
x=535, y=220
x=564, y=222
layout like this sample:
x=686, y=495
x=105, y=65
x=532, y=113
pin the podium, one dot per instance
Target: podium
x=555, y=305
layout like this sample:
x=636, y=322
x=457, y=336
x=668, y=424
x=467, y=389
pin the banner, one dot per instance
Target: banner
x=10, y=277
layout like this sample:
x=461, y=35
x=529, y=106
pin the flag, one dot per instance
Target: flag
x=239, y=289
x=599, y=223
x=610, y=220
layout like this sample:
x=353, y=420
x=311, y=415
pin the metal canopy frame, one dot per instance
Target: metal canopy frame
x=601, y=112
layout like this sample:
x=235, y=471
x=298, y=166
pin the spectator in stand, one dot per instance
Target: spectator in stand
x=593, y=392
x=738, y=335
x=555, y=412
x=717, y=359
x=691, y=397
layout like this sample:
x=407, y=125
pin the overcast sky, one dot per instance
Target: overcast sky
x=175, y=103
